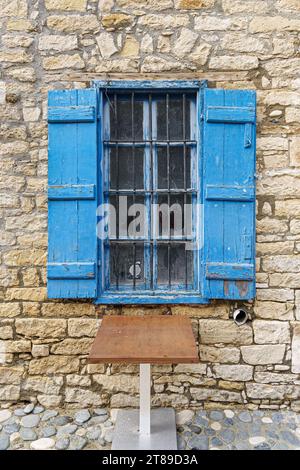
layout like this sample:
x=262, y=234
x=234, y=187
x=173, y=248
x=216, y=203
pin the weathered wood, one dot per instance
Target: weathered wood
x=71, y=270
x=146, y=84
x=229, y=189
x=230, y=193
x=72, y=219
x=76, y=191
x=71, y=114
x=230, y=114
x=227, y=271
x=150, y=339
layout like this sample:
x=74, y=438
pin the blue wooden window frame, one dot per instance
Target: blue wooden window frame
x=177, y=295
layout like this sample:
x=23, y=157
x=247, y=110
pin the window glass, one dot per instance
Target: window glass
x=151, y=184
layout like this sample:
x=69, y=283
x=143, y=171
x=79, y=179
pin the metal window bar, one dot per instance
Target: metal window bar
x=168, y=183
x=142, y=143
x=134, y=185
x=184, y=178
x=152, y=195
x=152, y=192
x=117, y=183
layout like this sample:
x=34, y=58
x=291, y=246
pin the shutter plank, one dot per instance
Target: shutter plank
x=72, y=235
x=229, y=190
x=76, y=191
x=230, y=114
x=71, y=270
x=68, y=114
x=230, y=193
x=230, y=271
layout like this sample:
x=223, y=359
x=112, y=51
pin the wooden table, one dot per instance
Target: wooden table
x=145, y=340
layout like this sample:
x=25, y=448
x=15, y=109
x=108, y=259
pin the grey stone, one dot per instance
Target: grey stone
x=28, y=408
x=201, y=421
x=44, y=443
x=97, y=420
x=198, y=443
x=180, y=442
x=48, y=431
x=108, y=435
x=82, y=416
x=216, y=442
x=277, y=417
x=108, y=423
x=62, y=444
x=272, y=434
x=11, y=428
x=66, y=430
x=256, y=427
x=242, y=445
x=38, y=409
x=216, y=415
x=228, y=422
x=49, y=414
x=245, y=417
x=11, y=420
x=4, y=441
x=242, y=434
x=60, y=420
x=100, y=411
x=77, y=443
x=28, y=434
x=101, y=442
x=19, y=412
x=4, y=415
x=195, y=429
x=30, y=421
x=262, y=446
x=281, y=446
x=227, y=435
x=93, y=434
x=290, y=437
x=209, y=431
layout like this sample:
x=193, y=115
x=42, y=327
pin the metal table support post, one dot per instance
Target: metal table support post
x=145, y=399
x=144, y=429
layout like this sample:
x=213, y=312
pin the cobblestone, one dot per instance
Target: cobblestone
x=216, y=429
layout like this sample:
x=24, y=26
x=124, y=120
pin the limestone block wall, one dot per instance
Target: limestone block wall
x=48, y=44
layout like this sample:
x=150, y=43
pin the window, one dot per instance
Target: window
x=151, y=188
x=151, y=193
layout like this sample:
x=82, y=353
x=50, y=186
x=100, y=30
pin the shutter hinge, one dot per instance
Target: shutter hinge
x=201, y=117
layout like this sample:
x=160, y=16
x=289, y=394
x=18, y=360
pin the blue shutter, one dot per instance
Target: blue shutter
x=72, y=245
x=229, y=193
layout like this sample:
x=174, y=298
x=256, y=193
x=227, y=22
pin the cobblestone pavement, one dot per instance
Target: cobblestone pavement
x=33, y=427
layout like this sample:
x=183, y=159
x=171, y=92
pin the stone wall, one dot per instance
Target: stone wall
x=66, y=43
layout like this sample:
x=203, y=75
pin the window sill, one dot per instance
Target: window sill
x=130, y=299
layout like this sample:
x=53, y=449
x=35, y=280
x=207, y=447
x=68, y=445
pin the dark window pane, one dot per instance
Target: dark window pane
x=128, y=214
x=180, y=269
x=125, y=125
x=130, y=174
x=127, y=264
x=174, y=220
x=179, y=120
x=178, y=169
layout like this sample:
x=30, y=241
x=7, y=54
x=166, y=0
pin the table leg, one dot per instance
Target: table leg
x=145, y=399
x=142, y=429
